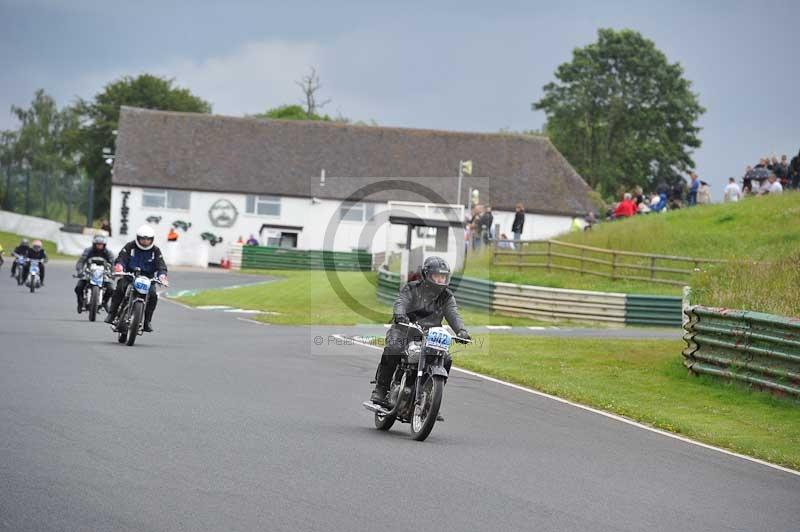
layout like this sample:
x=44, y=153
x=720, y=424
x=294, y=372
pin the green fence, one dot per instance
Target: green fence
x=752, y=347
x=273, y=258
x=471, y=293
x=652, y=310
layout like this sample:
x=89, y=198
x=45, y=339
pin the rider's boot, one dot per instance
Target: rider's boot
x=147, y=327
x=110, y=317
x=80, y=303
x=379, y=395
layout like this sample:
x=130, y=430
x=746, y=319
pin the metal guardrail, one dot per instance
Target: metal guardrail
x=759, y=349
x=275, y=258
x=551, y=304
x=577, y=258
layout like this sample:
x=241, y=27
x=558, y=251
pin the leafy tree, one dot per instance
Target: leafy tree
x=621, y=114
x=291, y=112
x=101, y=116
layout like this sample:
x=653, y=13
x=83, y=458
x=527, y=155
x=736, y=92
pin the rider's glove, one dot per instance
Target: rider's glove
x=464, y=334
x=162, y=279
x=118, y=268
x=401, y=318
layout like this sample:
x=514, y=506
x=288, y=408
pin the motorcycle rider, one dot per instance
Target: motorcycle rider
x=424, y=302
x=142, y=254
x=35, y=252
x=20, y=251
x=97, y=249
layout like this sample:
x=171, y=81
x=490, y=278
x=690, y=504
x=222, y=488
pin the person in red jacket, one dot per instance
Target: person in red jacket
x=625, y=208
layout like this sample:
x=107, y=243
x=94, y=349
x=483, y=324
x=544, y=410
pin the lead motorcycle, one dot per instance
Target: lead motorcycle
x=20, y=262
x=97, y=274
x=417, y=386
x=129, y=322
x=33, y=281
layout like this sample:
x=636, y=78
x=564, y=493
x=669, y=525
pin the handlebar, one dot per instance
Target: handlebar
x=133, y=276
x=423, y=331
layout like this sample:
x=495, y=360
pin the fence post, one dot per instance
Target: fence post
x=583, y=251
x=652, y=267
x=549, y=245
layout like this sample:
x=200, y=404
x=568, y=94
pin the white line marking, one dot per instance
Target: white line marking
x=498, y=327
x=213, y=307
x=242, y=311
x=537, y=328
x=609, y=415
x=248, y=320
x=184, y=305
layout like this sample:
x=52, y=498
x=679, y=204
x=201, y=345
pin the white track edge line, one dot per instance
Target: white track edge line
x=174, y=302
x=606, y=414
x=248, y=320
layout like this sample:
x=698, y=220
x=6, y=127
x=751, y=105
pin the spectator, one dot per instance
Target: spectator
x=486, y=222
x=694, y=186
x=678, y=192
x=591, y=220
x=504, y=243
x=732, y=191
x=474, y=226
x=106, y=226
x=240, y=240
x=658, y=202
x=625, y=208
x=252, y=241
x=638, y=196
x=781, y=170
x=519, y=222
x=773, y=185
x=794, y=171
x=704, y=193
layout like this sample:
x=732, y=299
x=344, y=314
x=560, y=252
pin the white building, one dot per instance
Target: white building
x=320, y=185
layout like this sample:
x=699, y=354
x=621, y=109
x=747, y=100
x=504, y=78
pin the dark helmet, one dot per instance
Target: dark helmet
x=98, y=241
x=435, y=274
x=25, y=242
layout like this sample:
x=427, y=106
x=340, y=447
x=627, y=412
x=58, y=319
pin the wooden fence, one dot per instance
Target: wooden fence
x=586, y=260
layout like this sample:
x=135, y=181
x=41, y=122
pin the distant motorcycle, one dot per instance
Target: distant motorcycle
x=417, y=387
x=129, y=322
x=33, y=281
x=96, y=273
x=20, y=262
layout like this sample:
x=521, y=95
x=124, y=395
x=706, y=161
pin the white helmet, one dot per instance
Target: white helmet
x=145, y=237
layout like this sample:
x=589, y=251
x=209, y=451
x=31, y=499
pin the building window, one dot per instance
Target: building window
x=356, y=212
x=160, y=198
x=263, y=205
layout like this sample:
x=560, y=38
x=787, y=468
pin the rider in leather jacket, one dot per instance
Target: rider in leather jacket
x=98, y=248
x=425, y=302
x=21, y=251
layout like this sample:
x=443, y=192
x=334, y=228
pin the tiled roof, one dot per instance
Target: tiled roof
x=227, y=154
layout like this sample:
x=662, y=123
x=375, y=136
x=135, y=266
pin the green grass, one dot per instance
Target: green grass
x=762, y=229
x=308, y=298
x=646, y=381
x=11, y=240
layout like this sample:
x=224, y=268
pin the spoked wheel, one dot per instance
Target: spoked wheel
x=136, y=319
x=93, y=302
x=33, y=285
x=384, y=422
x=425, y=411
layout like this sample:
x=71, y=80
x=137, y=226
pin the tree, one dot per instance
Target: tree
x=291, y=112
x=101, y=117
x=310, y=85
x=621, y=114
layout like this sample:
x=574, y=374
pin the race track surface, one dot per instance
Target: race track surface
x=216, y=423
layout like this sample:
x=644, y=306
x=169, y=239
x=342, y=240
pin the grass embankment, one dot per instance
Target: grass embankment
x=11, y=240
x=645, y=380
x=763, y=229
x=307, y=298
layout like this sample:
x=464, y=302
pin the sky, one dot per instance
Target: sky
x=454, y=65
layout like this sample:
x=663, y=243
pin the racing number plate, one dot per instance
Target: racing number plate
x=438, y=338
x=141, y=284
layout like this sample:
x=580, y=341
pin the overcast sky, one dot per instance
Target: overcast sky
x=463, y=65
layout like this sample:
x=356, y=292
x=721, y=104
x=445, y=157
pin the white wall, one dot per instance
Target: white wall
x=537, y=226
x=314, y=217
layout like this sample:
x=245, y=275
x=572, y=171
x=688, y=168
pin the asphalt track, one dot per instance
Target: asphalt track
x=215, y=423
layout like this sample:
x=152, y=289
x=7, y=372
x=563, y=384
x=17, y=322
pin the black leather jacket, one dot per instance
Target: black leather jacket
x=427, y=309
x=90, y=252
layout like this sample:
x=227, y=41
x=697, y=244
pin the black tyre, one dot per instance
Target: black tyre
x=33, y=285
x=94, y=301
x=20, y=280
x=136, y=319
x=383, y=422
x=122, y=337
x=423, y=417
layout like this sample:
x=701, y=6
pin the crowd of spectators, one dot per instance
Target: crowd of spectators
x=772, y=176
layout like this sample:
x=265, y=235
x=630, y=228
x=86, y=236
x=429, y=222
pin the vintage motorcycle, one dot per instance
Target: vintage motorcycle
x=417, y=387
x=129, y=322
x=96, y=273
x=33, y=281
x=20, y=261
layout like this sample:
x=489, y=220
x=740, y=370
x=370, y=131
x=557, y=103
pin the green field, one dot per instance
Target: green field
x=10, y=240
x=764, y=229
x=307, y=298
x=644, y=380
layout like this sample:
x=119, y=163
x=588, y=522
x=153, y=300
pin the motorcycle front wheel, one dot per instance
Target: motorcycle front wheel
x=93, y=302
x=426, y=409
x=33, y=285
x=384, y=422
x=136, y=319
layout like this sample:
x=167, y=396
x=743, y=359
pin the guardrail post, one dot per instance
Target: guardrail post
x=548, y=255
x=652, y=267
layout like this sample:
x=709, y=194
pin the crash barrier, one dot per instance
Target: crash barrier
x=275, y=258
x=586, y=260
x=552, y=304
x=751, y=347
x=31, y=226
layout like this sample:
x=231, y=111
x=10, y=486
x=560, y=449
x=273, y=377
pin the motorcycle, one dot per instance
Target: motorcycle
x=96, y=273
x=20, y=262
x=129, y=322
x=417, y=386
x=33, y=280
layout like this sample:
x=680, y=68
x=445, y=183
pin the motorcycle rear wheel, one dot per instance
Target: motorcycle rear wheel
x=136, y=319
x=93, y=302
x=423, y=417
